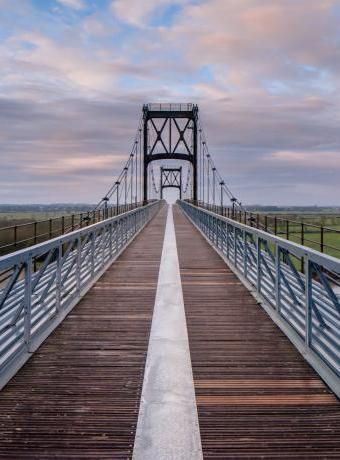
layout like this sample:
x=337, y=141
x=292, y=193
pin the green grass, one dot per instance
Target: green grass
x=25, y=228
x=311, y=235
x=14, y=218
x=331, y=242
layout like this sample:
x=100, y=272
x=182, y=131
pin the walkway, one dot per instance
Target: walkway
x=256, y=396
x=79, y=396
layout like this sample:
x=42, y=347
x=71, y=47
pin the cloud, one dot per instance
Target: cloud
x=306, y=160
x=265, y=75
x=139, y=13
x=75, y=4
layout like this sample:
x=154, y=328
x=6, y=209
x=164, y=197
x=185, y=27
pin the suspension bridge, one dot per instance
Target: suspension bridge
x=147, y=331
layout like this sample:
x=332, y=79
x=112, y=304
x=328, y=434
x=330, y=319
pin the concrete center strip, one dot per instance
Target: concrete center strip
x=167, y=425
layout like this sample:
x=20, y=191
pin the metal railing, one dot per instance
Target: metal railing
x=305, y=305
x=19, y=236
x=320, y=237
x=178, y=107
x=41, y=284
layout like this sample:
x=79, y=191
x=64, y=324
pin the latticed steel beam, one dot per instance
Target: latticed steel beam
x=171, y=178
x=170, y=137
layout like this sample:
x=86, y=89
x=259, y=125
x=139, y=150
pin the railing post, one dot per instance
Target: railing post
x=15, y=235
x=28, y=302
x=258, y=264
x=58, y=277
x=35, y=242
x=277, y=278
x=103, y=246
x=92, y=236
x=228, y=240
x=245, y=254
x=117, y=235
x=308, y=302
x=78, y=262
x=302, y=243
x=110, y=242
x=219, y=233
x=322, y=238
x=287, y=229
x=235, y=246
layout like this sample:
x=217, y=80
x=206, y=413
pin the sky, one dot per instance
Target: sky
x=264, y=73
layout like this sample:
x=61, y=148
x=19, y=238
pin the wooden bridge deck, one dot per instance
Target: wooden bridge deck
x=256, y=396
x=78, y=396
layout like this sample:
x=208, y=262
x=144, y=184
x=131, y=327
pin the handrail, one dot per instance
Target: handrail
x=44, y=282
x=172, y=106
x=277, y=225
x=305, y=305
x=21, y=235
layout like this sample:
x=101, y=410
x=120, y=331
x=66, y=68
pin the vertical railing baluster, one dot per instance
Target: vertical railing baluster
x=78, y=263
x=277, y=278
x=258, y=264
x=28, y=302
x=110, y=243
x=58, y=286
x=245, y=254
x=228, y=240
x=92, y=236
x=308, y=302
x=287, y=229
x=302, y=243
x=235, y=246
x=15, y=235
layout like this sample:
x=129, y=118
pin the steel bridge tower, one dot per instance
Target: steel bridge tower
x=171, y=178
x=170, y=133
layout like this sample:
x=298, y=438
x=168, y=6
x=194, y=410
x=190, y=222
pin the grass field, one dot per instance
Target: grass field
x=331, y=242
x=308, y=234
x=311, y=236
x=16, y=218
x=25, y=228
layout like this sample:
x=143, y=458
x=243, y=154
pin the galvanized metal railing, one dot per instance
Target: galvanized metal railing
x=306, y=306
x=319, y=237
x=40, y=285
x=22, y=235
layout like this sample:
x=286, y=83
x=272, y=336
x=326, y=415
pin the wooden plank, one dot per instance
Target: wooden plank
x=256, y=396
x=78, y=396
